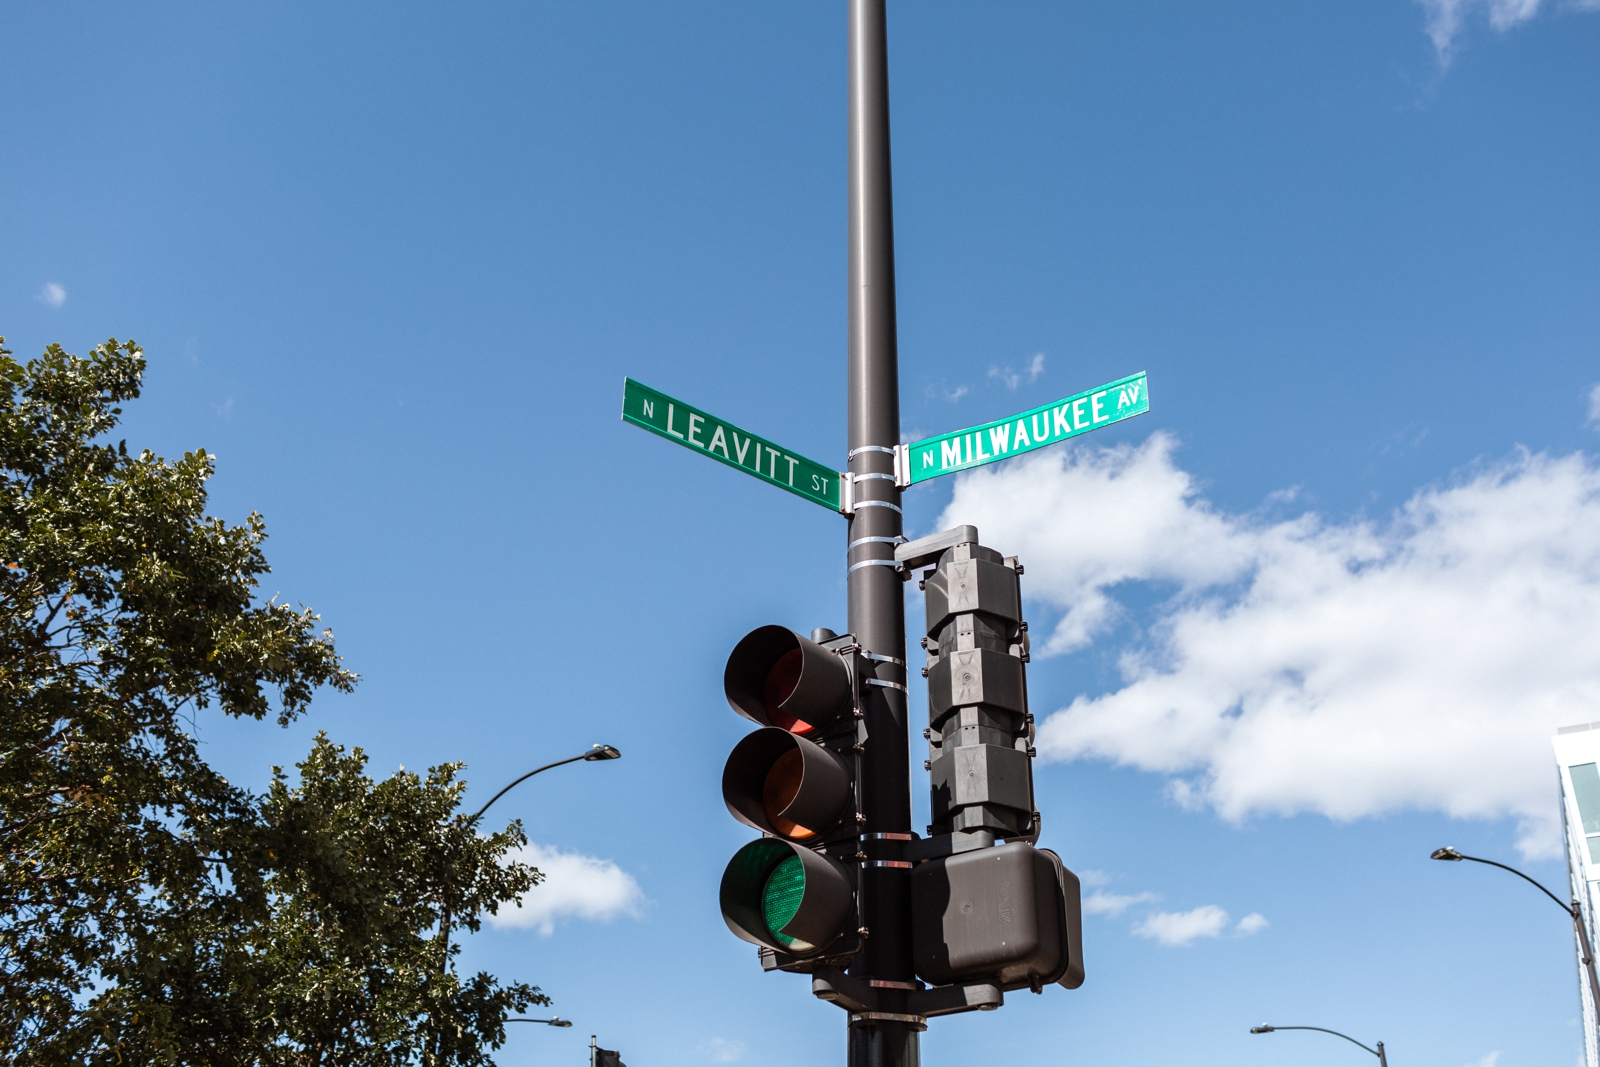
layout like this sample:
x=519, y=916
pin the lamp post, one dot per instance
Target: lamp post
x=1266, y=1028
x=594, y=753
x=557, y=1021
x=1573, y=910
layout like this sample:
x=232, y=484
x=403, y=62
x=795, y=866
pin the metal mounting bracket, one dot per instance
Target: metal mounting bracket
x=858, y=995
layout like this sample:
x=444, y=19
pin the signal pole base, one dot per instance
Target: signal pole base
x=882, y=1043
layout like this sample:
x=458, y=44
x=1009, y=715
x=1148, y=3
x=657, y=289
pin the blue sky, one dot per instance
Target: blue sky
x=1312, y=617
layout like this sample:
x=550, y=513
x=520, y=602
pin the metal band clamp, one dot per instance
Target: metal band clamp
x=918, y=1021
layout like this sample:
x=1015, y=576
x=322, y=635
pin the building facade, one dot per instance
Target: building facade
x=1578, y=763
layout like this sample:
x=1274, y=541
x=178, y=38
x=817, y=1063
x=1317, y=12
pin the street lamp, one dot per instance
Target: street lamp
x=595, y=752
x=1265, y=1028
x=1574, y=910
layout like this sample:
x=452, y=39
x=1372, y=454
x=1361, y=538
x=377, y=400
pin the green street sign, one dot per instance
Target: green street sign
x=726, y=443
x=1091, y=409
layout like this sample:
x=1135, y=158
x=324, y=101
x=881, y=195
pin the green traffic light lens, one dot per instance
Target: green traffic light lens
x=780, y=901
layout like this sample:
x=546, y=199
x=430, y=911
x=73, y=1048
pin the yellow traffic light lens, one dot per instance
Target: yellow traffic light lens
x=779, y=790
x=782, y=679
x=780, y=901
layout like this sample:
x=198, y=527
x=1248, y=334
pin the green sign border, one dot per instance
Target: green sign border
x=1077, y=414
x=667, y=416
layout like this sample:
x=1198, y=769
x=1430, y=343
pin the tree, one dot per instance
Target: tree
x=150, y=911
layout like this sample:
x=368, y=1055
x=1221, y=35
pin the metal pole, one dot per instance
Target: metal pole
x=876, y=594
x=1383, y=1061
x=1588, y=952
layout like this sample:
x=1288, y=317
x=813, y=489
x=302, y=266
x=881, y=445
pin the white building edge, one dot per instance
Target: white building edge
x=1578, y=762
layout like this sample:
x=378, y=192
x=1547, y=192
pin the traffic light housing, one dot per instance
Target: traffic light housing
x=787, y=899
x=787, y=786
x=792, y=893
x=775, y=677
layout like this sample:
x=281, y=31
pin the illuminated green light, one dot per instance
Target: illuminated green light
x=780, y=901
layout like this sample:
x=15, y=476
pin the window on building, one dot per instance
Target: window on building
x=1586, y=791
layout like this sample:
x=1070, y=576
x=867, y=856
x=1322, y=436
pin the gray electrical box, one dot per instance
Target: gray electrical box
x=1008, y=915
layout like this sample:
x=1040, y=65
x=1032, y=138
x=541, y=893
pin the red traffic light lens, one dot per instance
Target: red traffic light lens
x=780, y=685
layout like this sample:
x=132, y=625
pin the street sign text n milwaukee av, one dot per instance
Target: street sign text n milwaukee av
x=1012, y=436
x=727, y=443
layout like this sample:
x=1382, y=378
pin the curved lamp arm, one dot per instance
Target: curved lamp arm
x=1574, y=912
x=1451, y=854
x=598, y=752
x=1266, y=1028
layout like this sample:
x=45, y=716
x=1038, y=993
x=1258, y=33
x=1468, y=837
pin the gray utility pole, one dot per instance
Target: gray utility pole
x=883, y=1038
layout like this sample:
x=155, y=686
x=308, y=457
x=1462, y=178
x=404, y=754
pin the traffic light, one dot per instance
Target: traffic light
x=792, y=892
x=1005, y=915
x=989, y=912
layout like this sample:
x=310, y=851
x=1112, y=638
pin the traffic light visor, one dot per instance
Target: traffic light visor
x=786, y=897
x=777, y=678
x=785, y=785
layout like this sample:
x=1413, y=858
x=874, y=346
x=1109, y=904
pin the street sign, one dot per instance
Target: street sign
x=1091, y=409
x=726, y=443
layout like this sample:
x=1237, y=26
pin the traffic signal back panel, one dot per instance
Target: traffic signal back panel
x=1007, y=914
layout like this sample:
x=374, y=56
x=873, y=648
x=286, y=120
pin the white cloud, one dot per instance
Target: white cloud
x=1147, y=525
x=1594, y=394
x=1445, y=20
x=575, y=886
x=1094, y=878
x=52, y=294
x=1341, y=668
x=1114, y=904
x=721, y=1050
x=1183, y=928
x=1253, y=923
x=1011, y=378
x=1489, y=1060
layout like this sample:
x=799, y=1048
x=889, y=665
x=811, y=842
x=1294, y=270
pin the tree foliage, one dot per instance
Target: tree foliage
x=151, y=911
